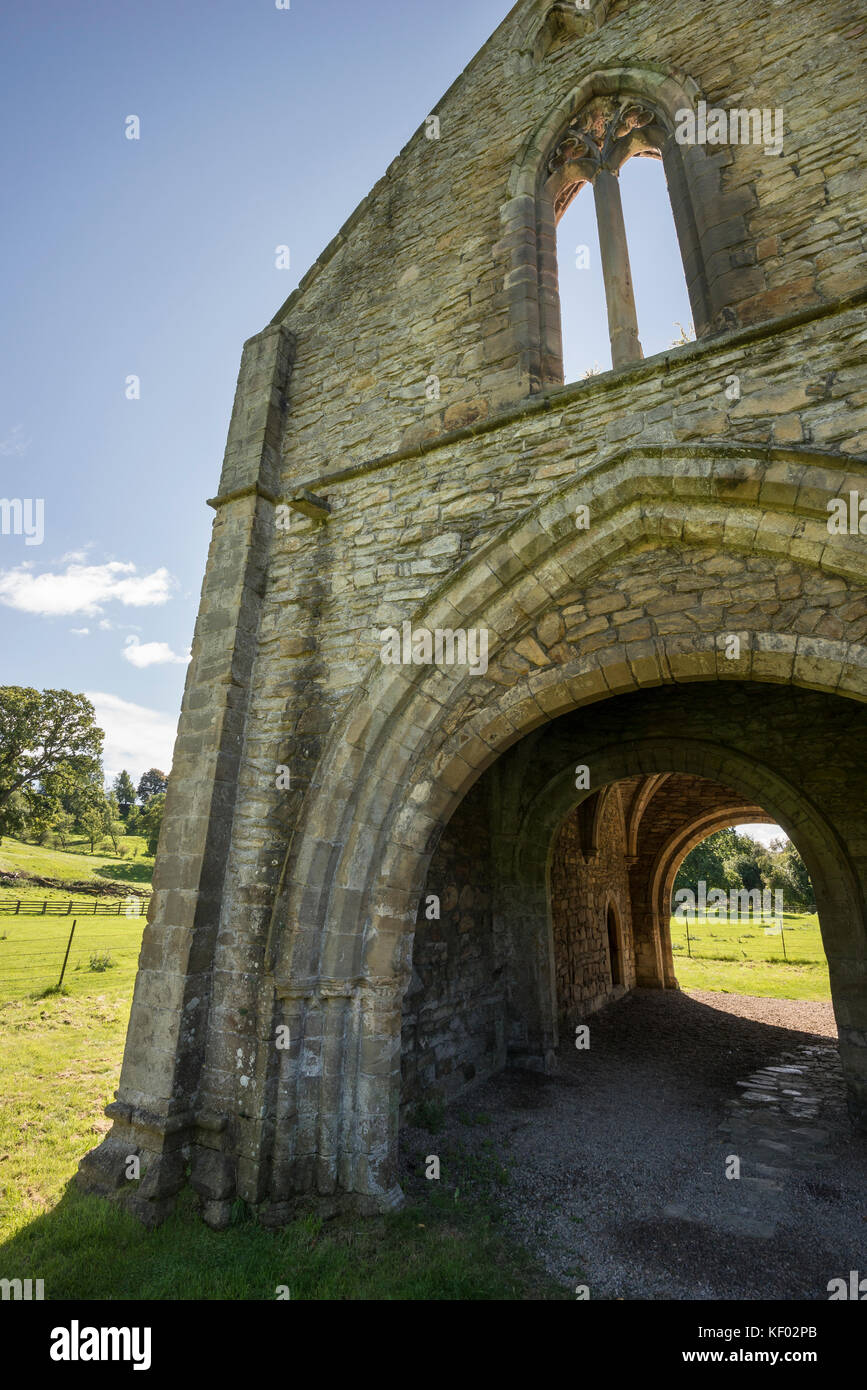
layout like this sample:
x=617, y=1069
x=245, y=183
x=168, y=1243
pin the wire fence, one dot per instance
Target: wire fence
x=79, y=954
x=792, y=939
x=31, y=907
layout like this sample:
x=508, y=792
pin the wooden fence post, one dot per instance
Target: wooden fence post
x=66, y=957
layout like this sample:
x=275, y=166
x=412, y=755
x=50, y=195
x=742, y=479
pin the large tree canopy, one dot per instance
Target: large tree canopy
x=728, y=860
x=46, y=737
x=152, y=783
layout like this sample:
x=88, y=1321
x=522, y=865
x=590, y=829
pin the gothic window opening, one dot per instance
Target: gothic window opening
x=604, y=274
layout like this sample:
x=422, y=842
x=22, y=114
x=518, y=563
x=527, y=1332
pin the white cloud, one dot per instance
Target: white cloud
x=83, y=589
x=143, y=654
x=763, y=833
x=136, y=738
x=80, y=631
x=14, y=442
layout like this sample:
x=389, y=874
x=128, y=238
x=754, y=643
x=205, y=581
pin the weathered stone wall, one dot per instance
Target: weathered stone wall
x=422, y=278
x=295, y=907
x=454, y=1011
x=581, y=890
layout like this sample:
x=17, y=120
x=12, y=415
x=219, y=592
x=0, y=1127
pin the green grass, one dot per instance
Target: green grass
x=740, y=958
x=59, y=1066
x=75, y=864
x=32, y=951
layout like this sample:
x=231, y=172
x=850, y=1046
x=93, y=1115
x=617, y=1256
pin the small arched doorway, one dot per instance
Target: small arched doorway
x=614, y=955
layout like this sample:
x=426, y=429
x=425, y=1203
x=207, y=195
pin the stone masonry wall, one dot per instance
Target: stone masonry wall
x=454, y=1028
x=415, y=283
x=708, y=516
x=580, y=892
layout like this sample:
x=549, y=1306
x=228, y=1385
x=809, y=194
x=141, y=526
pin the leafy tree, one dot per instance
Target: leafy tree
x=151, y=820
x=91, y=809
x=729, y=860
x=62, y=826
x=747, y=869
x=125, y=792
x=152, y=783
x=42, y=811
x=45, y=736
x=13, y=816
x=711, y=863
x=797, y=887
x=114, y=826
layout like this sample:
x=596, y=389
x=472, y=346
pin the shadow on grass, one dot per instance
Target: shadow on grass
x=87, y=1248
x=126, y=873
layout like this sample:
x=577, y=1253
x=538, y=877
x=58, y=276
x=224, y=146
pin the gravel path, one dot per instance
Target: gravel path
x=617, y=1164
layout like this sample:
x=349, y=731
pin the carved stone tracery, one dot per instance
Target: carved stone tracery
x=602, y=136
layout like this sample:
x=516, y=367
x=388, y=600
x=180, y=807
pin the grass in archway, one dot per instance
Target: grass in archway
x=59, y=1065
x=746, y=958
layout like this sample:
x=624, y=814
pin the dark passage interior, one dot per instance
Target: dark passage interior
x=544, y=902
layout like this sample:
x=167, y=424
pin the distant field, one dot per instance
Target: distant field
x=739, y=958
x=74, y=865
x=32, y=948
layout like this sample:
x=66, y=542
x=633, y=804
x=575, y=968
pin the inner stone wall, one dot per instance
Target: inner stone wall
x=454, y=1012
x=581, y=889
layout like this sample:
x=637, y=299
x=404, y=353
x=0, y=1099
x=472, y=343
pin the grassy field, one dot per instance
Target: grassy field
x=740, y=958
x=32, y=948
x=59, y=1066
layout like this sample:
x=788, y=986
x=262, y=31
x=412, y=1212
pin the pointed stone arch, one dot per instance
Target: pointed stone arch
x=417, y=739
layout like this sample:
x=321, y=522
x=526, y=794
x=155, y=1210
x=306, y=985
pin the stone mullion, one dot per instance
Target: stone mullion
x=619, y=296
x=551, y=331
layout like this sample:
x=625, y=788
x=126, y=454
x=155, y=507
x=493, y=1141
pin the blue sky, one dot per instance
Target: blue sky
x=155, y=258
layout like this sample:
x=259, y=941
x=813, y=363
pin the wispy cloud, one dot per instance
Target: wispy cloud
x=14, y=443
x=82, y=589
x=80, y=631
x=143, y=654
x=136, y=737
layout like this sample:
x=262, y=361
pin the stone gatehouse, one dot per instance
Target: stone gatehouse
x=404, y=450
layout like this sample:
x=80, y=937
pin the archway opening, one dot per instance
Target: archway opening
x=744, y=918
x=549, y=895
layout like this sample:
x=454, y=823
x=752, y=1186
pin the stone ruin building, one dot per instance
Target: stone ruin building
x=383, y=880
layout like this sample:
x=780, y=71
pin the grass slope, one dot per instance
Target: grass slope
x=75, y=865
